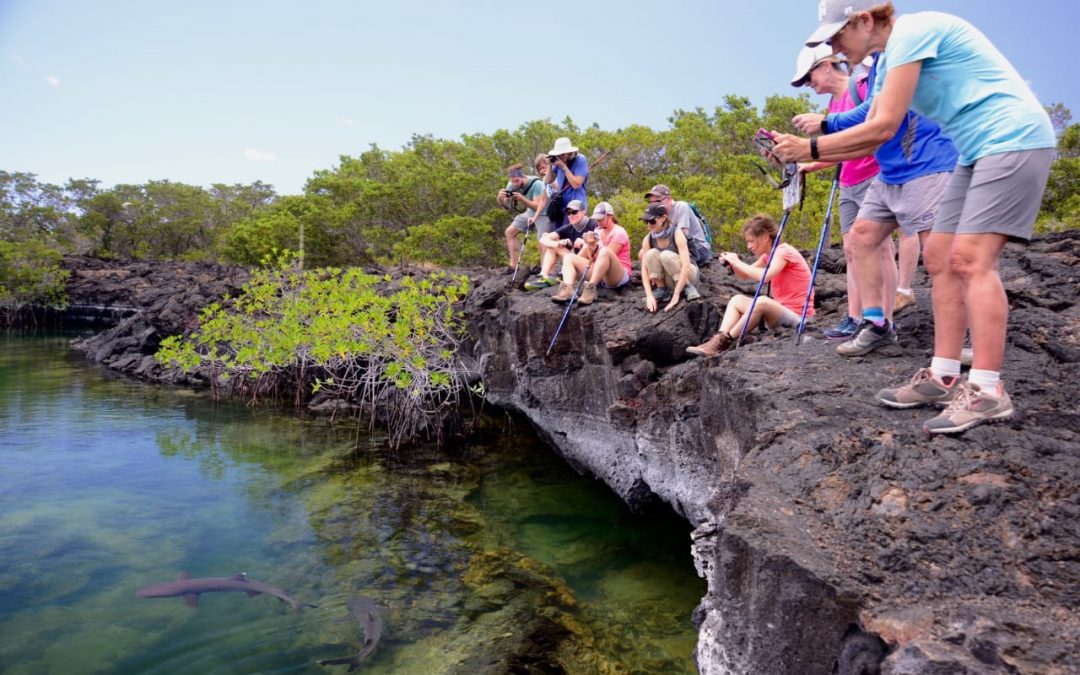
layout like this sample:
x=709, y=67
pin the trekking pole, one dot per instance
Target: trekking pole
x=764, y=273
x=524, y=243
x=817, y=256
x=570, y=303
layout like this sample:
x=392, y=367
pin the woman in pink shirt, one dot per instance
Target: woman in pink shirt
x=607, y=259
x=818, y=68
x=788, y=277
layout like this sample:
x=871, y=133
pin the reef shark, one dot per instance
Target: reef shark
x=189, y=589
x=369, y=616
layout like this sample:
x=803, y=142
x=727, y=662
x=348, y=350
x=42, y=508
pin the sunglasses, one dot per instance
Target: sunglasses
x=650, y=221
x=571, y=212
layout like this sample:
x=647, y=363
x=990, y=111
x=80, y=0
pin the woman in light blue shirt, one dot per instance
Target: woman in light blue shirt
x=942, y=67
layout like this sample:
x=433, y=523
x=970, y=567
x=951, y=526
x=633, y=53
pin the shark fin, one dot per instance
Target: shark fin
x=192, y=599
x=183, y=575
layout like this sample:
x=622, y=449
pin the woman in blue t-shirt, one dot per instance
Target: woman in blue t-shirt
x=941, y=66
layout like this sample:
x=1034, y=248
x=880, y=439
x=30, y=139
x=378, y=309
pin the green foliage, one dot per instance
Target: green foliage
x=30, y=274
x=455, y=240
x=343, y=333
x=403, y=206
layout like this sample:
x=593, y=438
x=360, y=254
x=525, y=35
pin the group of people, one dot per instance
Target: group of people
x=939, y=138
x=596, y=248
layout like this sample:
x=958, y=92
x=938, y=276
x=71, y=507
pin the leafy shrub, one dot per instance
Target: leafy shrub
x=450, y=241
x=30, y=274
x=391, y=350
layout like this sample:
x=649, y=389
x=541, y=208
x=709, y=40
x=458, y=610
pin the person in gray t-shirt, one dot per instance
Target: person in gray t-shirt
x=683, y=216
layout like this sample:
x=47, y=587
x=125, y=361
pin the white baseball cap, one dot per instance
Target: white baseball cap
x=807, y=59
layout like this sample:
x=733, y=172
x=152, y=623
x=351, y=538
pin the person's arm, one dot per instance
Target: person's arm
x=753, y=272
x=541, y=202
x=887, y=111
x=504, y=195
x=572, y=179
x=531, y=203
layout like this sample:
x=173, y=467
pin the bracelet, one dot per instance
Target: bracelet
x=813, y=149
x=824, y=125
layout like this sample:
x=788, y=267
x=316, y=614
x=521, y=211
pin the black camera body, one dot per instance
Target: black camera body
x=553, y=158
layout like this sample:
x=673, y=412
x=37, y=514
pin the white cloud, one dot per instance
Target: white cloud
x=260, y=155
x=53, y=81
x=346, y=122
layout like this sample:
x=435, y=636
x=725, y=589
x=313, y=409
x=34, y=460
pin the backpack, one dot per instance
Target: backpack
x=704, y=223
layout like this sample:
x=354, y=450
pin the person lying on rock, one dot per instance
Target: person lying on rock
x=606, y=257
x=563, y=241
x=788, y=278
x=666, y=267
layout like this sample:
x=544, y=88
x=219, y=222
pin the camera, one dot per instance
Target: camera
x=552, y=159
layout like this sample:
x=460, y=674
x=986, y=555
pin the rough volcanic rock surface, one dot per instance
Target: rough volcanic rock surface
x=821, y=516
x=155, y=299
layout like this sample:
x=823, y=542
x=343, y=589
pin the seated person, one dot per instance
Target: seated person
x=563, y=241
x=666, y=267
x=606, y=257
x=789, y=281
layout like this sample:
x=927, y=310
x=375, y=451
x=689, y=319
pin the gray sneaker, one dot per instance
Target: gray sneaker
x=868, y=338
x=971, y=406
x=923, y=389
x=691, y=293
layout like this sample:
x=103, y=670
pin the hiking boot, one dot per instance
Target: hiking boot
x=867, y=338
x=566, y=291
x=902, y=300
x=588, y=294
x=843, y=330
x=662, y=295
x=714, y=346
x=923, y=389
x=691, y=293
x=539, y=282
x=971, y=406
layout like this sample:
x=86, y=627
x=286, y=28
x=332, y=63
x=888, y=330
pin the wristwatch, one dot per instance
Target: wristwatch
x=825, y=124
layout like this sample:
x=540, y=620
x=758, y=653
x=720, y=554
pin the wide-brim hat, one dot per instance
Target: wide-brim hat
x=562, y=147
x=808, y=58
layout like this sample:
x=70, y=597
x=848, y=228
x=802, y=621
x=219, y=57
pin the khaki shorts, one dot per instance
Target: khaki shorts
x=912, y=205
x=999, y=194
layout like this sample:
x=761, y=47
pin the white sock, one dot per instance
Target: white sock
x=905, y=291
x=987, y=380
x=942, y=368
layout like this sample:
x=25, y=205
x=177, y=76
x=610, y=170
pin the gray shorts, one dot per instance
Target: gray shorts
x=520, y=222
x=912, y=205
x=851, y=198
x=999, y=194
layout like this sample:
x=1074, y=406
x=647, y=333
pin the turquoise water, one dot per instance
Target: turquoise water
x=108, y=485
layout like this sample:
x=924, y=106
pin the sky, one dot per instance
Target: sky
x=231, y=91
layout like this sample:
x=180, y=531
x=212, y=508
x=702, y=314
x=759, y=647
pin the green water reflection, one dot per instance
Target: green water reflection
x=487, y=557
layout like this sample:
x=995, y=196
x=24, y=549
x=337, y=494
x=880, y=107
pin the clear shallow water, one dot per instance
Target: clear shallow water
x=109, y=485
